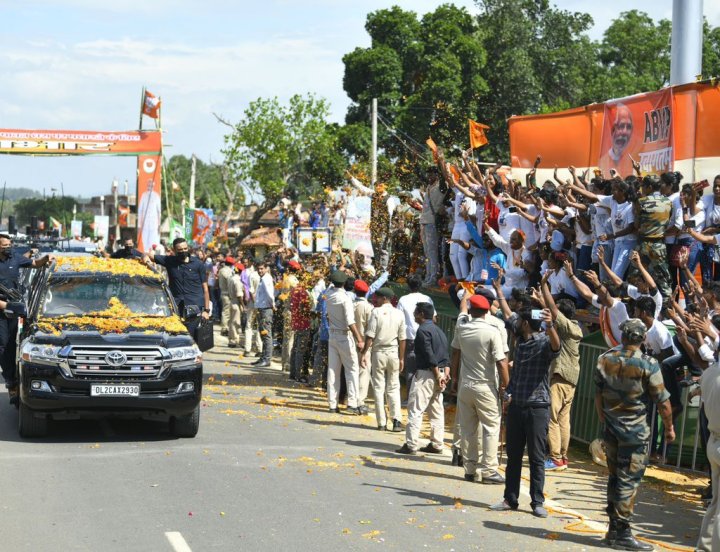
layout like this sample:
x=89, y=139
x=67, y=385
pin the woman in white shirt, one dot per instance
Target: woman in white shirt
x=622, y=220
x=693, y=216
x=458, y=255
x=710, y=258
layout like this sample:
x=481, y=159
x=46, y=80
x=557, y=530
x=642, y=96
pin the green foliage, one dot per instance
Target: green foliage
x=517, y=57
x=277, y=149
x=58, y=207
x=209, y=192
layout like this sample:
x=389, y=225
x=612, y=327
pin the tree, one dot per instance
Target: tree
x=427, y=76
x=57, y=207
x=212, y=189
x=280, y=149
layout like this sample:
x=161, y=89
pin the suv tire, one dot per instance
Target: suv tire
x=187, y=425
x=30, y=425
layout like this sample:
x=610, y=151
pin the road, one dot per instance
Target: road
x=270, y=469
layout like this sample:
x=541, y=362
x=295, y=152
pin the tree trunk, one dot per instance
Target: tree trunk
x=254, y=223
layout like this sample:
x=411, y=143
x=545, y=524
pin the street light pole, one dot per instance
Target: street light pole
x=117, y=214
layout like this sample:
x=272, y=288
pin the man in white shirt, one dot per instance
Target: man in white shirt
x=251, y=334
x=342, y=350
x=406, y=305
x=265, y=306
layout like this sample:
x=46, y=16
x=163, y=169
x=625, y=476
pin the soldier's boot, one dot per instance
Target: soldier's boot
x=626, y=541
x=611, y=535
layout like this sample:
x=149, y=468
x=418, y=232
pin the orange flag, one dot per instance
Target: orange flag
x=477, y=134
x=433, y=147
x=455, y=172
x=151, y=105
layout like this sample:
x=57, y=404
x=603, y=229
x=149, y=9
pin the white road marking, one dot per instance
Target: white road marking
x=177, y=541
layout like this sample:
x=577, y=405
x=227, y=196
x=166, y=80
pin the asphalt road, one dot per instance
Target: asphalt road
x=271, y=469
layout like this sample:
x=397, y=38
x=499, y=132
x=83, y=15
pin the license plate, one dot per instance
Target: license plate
x=114, y=390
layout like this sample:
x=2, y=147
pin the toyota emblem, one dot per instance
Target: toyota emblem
x=116, y=358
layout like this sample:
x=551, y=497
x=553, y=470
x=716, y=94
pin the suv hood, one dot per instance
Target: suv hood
x=113, y=340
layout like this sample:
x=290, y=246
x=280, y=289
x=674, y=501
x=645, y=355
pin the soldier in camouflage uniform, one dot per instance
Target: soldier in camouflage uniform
x=624, y=376
x=652, y=216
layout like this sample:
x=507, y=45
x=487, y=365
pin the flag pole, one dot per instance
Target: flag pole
x=163, y=173
x=142, y=104
x=2, y=205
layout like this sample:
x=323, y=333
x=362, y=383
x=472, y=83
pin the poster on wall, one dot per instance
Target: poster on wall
x=640, y=128
x=149, y=201
x=357, y=225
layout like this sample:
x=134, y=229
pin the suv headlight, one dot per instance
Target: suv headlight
x=37, y=352
x=184, y=354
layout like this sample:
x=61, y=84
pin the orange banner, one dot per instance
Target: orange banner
x=675, y=127
x=79, y=142
x=640, y=128
x=149, y=201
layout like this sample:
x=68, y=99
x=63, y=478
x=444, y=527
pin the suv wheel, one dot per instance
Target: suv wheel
x=187, y=425
x=29, y=425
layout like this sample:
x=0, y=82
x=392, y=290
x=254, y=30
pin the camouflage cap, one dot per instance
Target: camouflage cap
x=633, y=330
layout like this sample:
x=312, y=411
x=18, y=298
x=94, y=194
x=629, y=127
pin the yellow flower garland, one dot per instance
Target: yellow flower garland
x=117, y=318
x=129, y=267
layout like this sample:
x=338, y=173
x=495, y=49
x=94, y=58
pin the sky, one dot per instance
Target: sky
x=81, y=65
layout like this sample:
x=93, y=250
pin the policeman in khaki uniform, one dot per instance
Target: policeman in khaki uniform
x=490, y=318
x=624, y=377
x=341, y=347
x=386, y=335
x=236, y=294
x=478, y=350
x=363, y=308
x=652, y=216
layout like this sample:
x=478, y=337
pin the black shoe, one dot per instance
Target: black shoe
x=223, y=333
x=456, y=456
x=460, y=461
x=258, y=355
x=334, y=410
x=382, y=427
x=354, y=410
x=432, y=449
x=406, y=450
x=626, y=541
x=611, y=535
x=397, y=426
x=364, y=410
x=471, y=477
x=493, y=479
x=262, y=363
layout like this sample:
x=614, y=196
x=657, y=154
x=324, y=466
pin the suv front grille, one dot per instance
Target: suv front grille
x=90, y=361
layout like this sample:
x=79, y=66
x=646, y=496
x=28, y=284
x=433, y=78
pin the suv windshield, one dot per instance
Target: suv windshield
x=79, y=295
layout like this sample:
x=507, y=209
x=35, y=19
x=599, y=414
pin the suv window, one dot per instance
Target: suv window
x=80, y=294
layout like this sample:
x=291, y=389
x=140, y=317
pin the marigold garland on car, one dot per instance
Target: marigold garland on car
x=129, y=267
x=117, y=318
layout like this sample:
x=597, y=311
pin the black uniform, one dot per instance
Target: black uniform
x=185, y=280
x=10, y=277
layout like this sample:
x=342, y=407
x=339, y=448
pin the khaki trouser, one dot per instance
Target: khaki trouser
x=364, y=380
x=424, y=398
x=386, y=380
x=561, y=397
x=479, y=427
x=342, y=353
x=252, y=335
x=234, y=323
x=226, y=310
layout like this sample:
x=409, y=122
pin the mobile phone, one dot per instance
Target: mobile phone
x=689, y=224
x=536, y=314
x=701, y=185
x=512, y=209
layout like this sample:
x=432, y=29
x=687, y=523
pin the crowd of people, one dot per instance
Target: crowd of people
x=518, y=259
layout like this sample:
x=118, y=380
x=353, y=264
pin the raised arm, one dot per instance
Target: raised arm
x=614, y=278
x=507, y=313
x=547, y=296
x=583, y=289
x=637, y=262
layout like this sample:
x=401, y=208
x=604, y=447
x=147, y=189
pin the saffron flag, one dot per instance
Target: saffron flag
x=56, y=224
x=477, y=134
x=433, y=147
x=151, y=105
